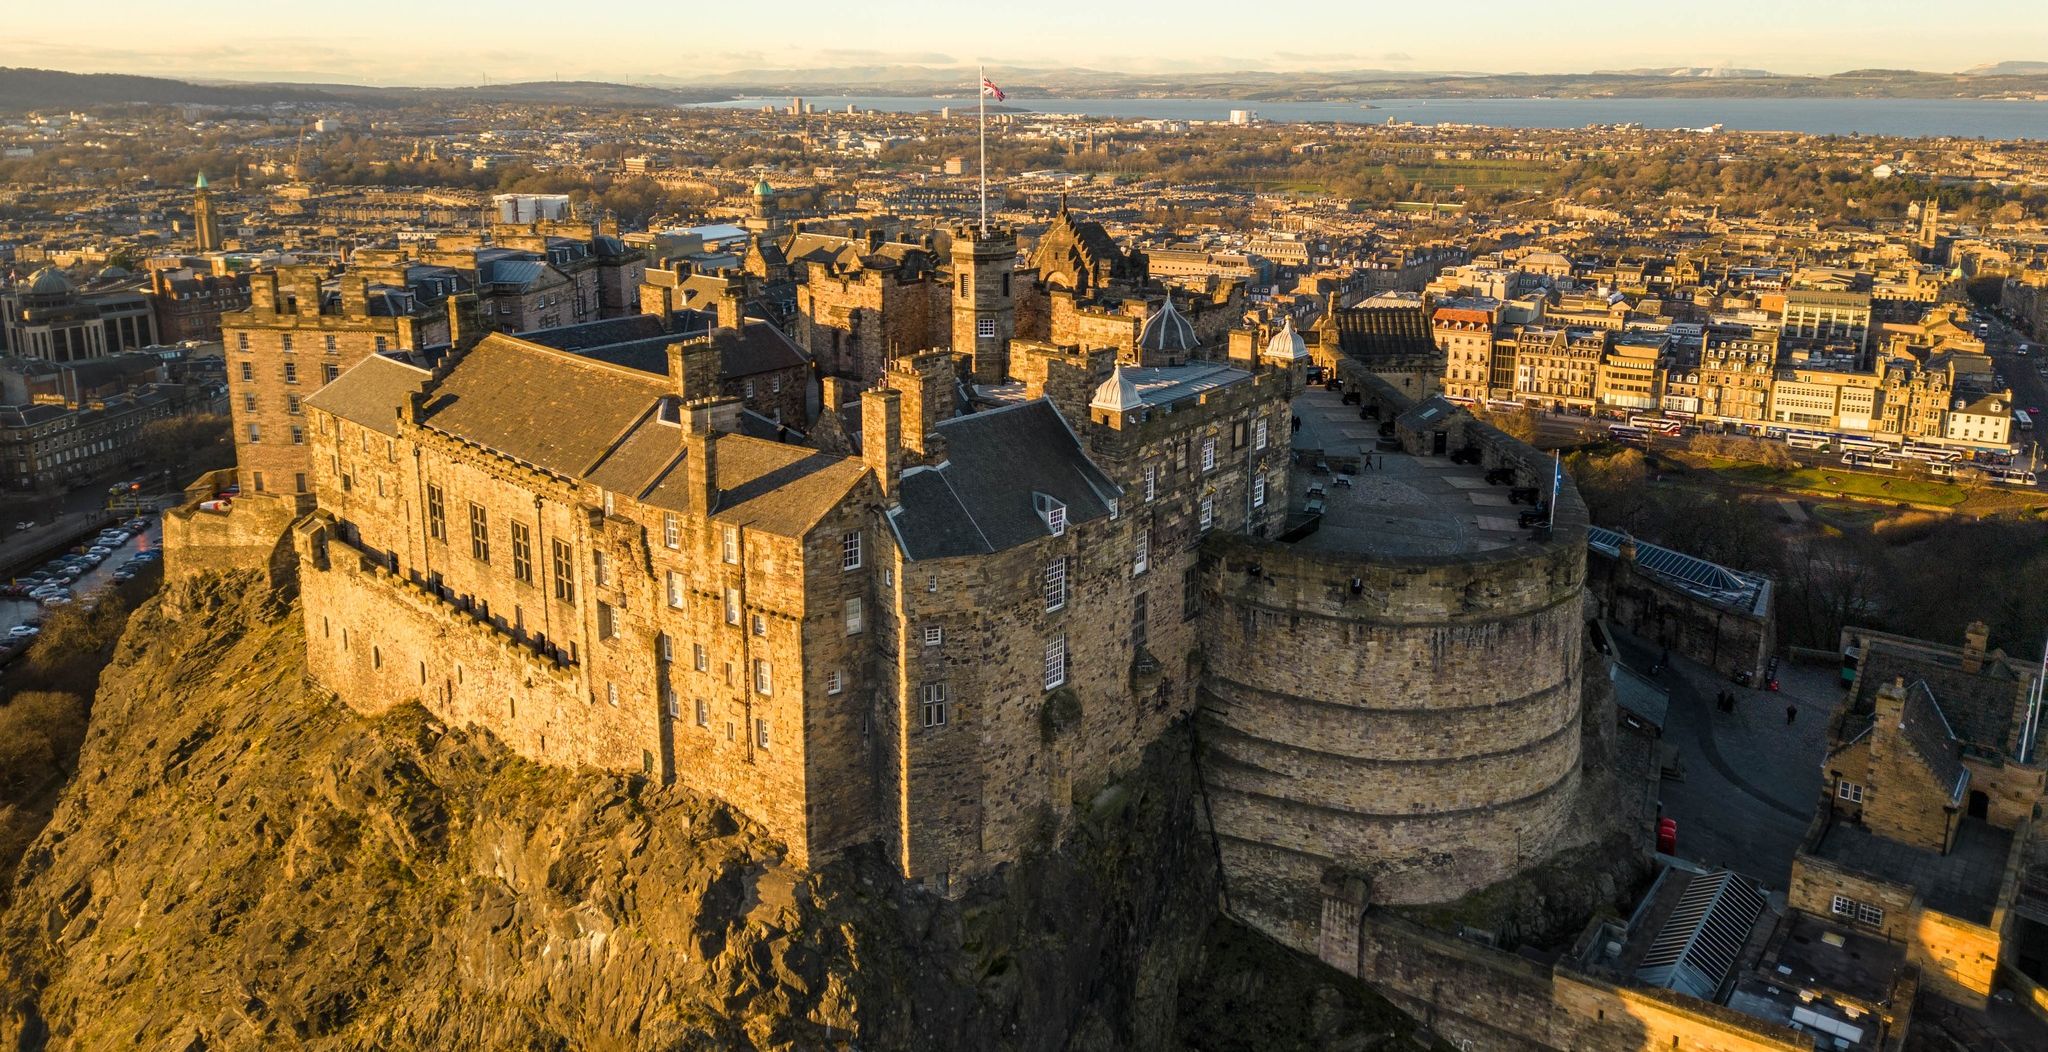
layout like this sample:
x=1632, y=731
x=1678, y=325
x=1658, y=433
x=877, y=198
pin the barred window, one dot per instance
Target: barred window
x=833, y=683
x=1259, y=492
x=1208, y=454
x=1056, y=583
x=934, y=635
x=1208, y=513
x=985, y=329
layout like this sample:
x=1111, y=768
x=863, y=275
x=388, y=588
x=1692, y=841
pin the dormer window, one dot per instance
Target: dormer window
x=1053, y=511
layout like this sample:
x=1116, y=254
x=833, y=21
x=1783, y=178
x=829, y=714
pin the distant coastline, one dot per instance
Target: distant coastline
x=1917, y=118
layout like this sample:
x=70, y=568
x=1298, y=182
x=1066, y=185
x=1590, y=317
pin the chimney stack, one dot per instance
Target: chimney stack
x=881, y=437
x=925, y=380
x=693, y=366
x=466, y=326
x=1975, y=639
x=700, y=454
x=355, y=296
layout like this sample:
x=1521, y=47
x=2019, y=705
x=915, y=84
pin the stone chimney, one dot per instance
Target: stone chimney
x=732, y=305
x=304, y=283
x=1975, y=639
x=925, y=381
x=832, y=392
x=355, y=296
x=881, y=437
x=693, y=366
x=466, y=325
x=263, y=292
x=700, y=454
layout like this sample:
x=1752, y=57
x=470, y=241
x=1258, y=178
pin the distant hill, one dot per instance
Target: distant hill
x=48, y=89
x=1717, y=72
x=2008, y=69
x=45, y=89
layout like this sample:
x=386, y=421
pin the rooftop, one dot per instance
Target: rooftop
x=1963, y=883
x=1403, y=505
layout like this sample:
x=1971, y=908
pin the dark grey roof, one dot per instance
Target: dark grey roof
x=1927, y=731
x=980, y=499
x=1696, y=949
x=371, y=391
x=1167, y=331
x=598, y=333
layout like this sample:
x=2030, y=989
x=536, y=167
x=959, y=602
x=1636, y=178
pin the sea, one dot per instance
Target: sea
x=1969, y=118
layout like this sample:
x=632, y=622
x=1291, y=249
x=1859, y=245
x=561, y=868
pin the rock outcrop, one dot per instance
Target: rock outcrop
x=242, y=863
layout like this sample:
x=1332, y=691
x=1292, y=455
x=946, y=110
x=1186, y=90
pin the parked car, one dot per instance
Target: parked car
x=99, y=551
x=23, y=632
x=57, y=600
x=123, y=574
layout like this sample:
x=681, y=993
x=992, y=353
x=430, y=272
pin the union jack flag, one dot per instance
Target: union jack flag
x=988, y=87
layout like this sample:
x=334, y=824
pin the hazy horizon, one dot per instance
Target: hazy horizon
x=529, y=40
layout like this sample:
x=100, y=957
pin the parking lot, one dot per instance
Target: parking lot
x=94, y=574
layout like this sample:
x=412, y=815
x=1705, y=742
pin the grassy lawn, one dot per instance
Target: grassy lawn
x=1473, y=174
x=1844, y=483
x=1847, y=516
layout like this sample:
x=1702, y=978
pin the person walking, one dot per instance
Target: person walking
x=1791, y=713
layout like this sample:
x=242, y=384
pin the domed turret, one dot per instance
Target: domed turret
x=1287, y=345
x=1116, y=394
x=762, y=189
x=1166, y=332
x=48, y=281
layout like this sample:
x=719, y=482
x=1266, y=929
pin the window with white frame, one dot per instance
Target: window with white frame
x=611, y=694
x=1056, y=583
x=761, y=733
x=665, y=647
x=1259, y=492
x=601, y=568
x=1053, y=511
x=1208, y=512
x=1151, y=481
x=934, y=707
x=833, y=683
x=703, y=713
x=853, y=617
x=1850, y=791
x=699, y=657
x=1259, y=435
x=1141, y=552
x=1208, y=454
x=760, y=625
x=732, y=606
x=934, y=635
x=1861, y=912
x=1056, y=662
x=985, y=329
x=764, y=677
x=675, y=590
x=671, y=531
x=849, y=550
x=729, y=545
x=675, y=704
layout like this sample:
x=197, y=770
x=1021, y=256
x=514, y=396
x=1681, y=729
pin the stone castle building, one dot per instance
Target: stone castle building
x=933, y=613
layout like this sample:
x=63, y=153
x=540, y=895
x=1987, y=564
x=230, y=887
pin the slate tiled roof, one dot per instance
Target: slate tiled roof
x=371, y=392
x=1980, y=706
x=598, y=333
x=1925, y=729
x=556, y=411
x=981, y=499
x=1381, y=332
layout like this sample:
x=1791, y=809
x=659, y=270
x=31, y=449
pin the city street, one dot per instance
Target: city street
x=15, y=611
x=1748, y=781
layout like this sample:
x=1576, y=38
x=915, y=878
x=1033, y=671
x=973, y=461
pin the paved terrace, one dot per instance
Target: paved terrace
x=1963, y=883
x=1399, y=506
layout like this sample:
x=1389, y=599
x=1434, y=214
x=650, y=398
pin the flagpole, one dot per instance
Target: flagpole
x=981, y=124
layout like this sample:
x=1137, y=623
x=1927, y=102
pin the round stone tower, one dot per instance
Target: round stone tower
x=1370, y=709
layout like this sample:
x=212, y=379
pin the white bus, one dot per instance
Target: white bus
x=1813, y=442
x=1657, y=424
x=2022, y=421
x=2012, y=476
x=1931, y=453
x=1878, y=461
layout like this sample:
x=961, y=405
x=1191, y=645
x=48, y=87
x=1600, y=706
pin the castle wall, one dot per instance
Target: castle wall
x=249, y=533
x=1412, y=720
x=1727, y=641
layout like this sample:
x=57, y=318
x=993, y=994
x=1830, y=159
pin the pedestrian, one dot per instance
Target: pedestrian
x=1791, y=713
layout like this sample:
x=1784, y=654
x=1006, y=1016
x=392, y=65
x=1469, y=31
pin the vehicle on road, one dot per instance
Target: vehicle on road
x=1880, y=461
x=1812, y=442
x=23, y=632
x=57, y=600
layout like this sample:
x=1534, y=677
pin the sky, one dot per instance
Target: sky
x=409, y=42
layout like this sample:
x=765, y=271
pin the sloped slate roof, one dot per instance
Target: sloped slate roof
x=980, y=500
x=1927, y=731
x=371, y=392
x=1380, y=332
x=553, y=410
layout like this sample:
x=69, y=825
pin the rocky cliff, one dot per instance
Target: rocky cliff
x=240, y=863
